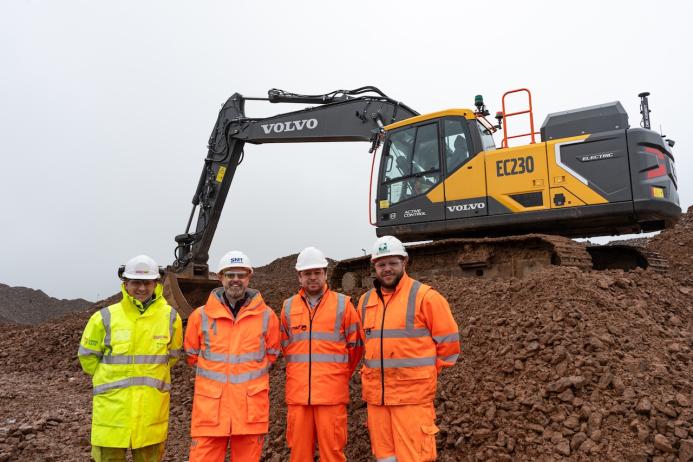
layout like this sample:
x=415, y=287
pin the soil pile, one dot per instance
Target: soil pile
x=675, y=245
x=22, y=305
x=561, y=365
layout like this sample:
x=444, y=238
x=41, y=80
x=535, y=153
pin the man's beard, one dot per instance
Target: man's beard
x=394, y=283
x=239, y=292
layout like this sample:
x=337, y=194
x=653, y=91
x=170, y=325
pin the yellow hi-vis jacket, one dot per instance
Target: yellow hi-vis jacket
x=130, y=354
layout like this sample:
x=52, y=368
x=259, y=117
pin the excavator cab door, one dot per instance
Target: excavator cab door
x=465, y=177
x=411, y=167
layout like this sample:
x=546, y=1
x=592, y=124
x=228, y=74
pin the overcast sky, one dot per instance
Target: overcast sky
x=106, y=109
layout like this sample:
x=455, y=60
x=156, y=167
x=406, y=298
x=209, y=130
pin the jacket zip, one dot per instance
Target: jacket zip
x=310, y=352
x=382, y=356
x=310, y=344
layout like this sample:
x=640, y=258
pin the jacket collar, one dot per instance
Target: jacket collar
x=130, y=303
x=404, y=282
x=216, y=305
x=304, y=296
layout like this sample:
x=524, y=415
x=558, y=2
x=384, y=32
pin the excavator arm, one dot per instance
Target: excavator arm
x=343, y=115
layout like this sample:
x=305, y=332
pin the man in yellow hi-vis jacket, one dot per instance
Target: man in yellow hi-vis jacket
x=128, y=349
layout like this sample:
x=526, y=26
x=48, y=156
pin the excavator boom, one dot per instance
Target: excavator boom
x=339, y=116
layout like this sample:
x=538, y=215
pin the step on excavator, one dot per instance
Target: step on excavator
x=486, y=211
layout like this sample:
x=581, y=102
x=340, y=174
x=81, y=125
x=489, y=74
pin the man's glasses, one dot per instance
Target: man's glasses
x=235, y=275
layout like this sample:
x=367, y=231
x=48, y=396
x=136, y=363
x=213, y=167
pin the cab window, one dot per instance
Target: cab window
x=487, y=142
x=412, y=164
x=456, y=138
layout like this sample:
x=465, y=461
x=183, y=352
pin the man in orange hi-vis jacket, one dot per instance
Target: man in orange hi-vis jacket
x=410, y=335
x=233, y=339
x=321, y=341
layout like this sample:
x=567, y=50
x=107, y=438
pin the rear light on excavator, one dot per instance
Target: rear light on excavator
x=660, y=169
x=657, y=192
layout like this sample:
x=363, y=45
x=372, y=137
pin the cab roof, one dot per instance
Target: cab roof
x=466, y=113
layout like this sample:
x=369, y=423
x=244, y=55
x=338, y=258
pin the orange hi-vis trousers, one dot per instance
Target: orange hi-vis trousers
x=403, y=433
x=244, y=448
x=325, y=423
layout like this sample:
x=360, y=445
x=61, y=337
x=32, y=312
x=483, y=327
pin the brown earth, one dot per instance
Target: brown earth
x=22, y=305
x=560, y=365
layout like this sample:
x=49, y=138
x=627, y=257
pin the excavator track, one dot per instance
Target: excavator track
x=500, y=257
x=626, y=256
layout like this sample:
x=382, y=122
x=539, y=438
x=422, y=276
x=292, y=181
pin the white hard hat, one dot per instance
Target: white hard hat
x=310, y=258
x=141, y=267
x=234, y=259
x=386, y=246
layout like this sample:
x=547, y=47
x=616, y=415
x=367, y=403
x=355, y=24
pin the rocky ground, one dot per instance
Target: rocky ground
x=561, y=365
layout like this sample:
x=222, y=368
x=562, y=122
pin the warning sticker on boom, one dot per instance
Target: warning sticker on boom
x=220, y=174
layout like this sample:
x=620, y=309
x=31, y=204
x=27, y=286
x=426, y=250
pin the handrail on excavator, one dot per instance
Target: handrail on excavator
x=529, y=111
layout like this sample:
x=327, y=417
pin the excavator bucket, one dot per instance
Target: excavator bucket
x=185, y=293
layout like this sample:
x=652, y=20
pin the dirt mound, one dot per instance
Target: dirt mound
x=22, y=305
x=561, y=365
x=675, y=245
x=277, y=280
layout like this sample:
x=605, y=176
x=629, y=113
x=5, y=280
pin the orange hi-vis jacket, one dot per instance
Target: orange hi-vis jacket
x=233, y=356
x=410, y=335
x=322, y=346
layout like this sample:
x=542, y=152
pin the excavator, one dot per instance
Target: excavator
x=486, y=211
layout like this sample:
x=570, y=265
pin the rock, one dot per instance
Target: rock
x=596, y=436
x=686, y=451
x=628, y=393
x=594, y=422
x=666, y=410
x=662, y=443
x=572, y=422
x=481, y=434
x=643, y=433
x=681, y=400
x=577, y=440
x=566, y=382
x=605, y=380
x=644, y=406
x=567, y=396
x=618, y=385
x=587, y=446
x=563, y=448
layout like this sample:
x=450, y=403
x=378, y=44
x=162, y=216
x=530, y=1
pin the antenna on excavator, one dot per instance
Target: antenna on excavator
x=644, y=109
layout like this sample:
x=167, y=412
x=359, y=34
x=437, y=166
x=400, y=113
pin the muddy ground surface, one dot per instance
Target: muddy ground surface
x=561, y=365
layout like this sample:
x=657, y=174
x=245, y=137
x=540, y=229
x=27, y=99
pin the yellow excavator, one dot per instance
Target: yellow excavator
x=489, y=212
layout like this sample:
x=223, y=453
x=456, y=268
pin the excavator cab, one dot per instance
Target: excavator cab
x=419, y=157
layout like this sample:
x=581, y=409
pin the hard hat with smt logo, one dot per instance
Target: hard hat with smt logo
x=141, y=267
x=386, y=246
x=234, y=259
x=310, y=258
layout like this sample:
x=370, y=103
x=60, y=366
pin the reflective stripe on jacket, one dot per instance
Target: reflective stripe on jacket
x=322, y=347
x=233, y=356
x=129, y=354
x=409, y=337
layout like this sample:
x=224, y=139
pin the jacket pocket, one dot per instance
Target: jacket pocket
x=406, y=373
x=428, y=442
x=206, y=403
x=257, y=400
x=369, y=320
x=120, y=348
